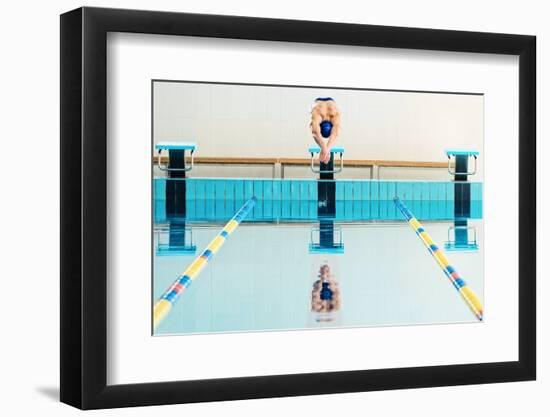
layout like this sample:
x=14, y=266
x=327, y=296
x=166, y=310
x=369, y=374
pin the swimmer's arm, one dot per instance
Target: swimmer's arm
x=335, y=132
x=316, y=120
x=320, y=142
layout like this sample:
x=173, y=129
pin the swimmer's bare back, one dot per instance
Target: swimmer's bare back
x=325, y=110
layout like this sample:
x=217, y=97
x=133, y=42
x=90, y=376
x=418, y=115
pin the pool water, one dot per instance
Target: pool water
x=263, y=277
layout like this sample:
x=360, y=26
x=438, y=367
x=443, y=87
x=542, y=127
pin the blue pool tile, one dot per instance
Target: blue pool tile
x=160, y=211
x=210, y=209
x=477, y=191
x=339, y=191
x=258, y=189
x=304, y=209
x=365, y=209
x=375, y=206
x=357, y=210
x=230, y=190
x=383, y=209
x=304, y=190
x=239, y=190
x=440, y=191
x=248, y=190
x=426, y=191
x=416, y=207
x=442, y=209
x=449, y=192
x=285, y=209
x=295, y=209
x=383, y=190
x=449, y=210
x=416, y=191
x=340, y=209
x=190, y=208
x=401, y=190
x=374, y=190
x=190, y=189
x=365, y=190
x=285, y=189
x=220, y=211
x=219, y=189
x=295, y=190
x=200, y=189
x=277, y=209
x=268, y=190
x=311, y=210
x=348, y=190
x=210, y=189
x=348, y=209
x=267, y=212
x=411, y=187
x=312, y=192
x=200, y=209
x=476, y=209
x=232, y=206
x=276, y=191
x=392, y=190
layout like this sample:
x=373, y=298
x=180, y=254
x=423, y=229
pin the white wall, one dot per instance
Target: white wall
x=260, y=121
x=30, y=220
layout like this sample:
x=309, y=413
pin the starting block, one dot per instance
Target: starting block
x=178, y=241
x=461, y=157
x=179, y=147
x=334, y=150
x=462, y=241
x=327, y=243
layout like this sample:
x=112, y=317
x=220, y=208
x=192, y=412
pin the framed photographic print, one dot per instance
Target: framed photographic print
x=258, y=207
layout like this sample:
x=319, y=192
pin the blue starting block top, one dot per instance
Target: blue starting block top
x=334, y=149
x=461, y=247
x=457, y=152
x=186, y=146
x=334, y=249
x=167, y=250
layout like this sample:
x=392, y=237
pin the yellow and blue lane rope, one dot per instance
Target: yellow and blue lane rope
x=461, y=286
x=167, y=300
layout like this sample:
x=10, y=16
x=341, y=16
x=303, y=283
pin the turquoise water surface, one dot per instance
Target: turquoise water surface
x=262, y=278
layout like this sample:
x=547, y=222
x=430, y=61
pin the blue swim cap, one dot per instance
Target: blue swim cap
x=324, y=99
x=326, y=128
x=326, y=292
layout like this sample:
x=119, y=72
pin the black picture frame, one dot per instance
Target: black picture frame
x=84, y=207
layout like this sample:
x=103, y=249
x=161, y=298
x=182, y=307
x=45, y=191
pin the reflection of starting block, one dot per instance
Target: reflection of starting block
x=462, y=241
x=330, y=238
x=176, y=155
x=178, y=241
x=326, y=204
x=462, y=199
x=327, y=169
x=176, y=169
x=461, y=157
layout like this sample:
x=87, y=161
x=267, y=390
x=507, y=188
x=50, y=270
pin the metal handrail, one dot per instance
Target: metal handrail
x=167, y=169
x=333, y=171
x=462, y=173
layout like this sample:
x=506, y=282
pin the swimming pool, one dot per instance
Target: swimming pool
x=264, y=276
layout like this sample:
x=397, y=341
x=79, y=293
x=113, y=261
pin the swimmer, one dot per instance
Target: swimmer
x=325, y=123
x=325, y=295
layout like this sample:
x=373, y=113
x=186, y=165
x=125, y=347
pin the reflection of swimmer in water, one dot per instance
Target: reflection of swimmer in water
x=325, y=295
x=325, y=123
